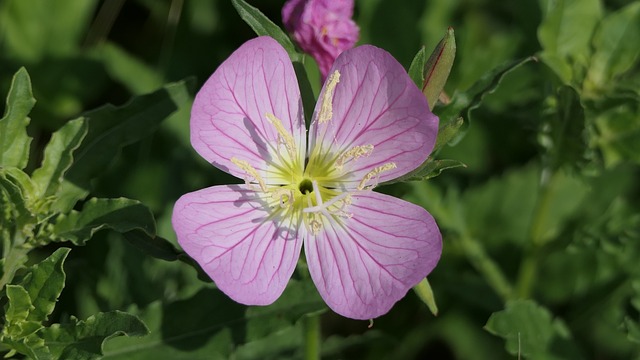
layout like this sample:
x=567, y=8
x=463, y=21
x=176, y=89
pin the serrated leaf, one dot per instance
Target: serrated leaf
x=527, y=327
x=44, y=283
x=84, y=339
x=58, y=156
x=110, y=129
x=262, y=26
x=15, y=208
x=416, y=69
x=425, y=293
x=616, y=46
x=14, y=141
x=462, y=103
x=122, y=215
x=437, y=68
x=18, y=308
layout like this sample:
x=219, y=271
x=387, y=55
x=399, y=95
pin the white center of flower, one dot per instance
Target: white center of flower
x=315, y=192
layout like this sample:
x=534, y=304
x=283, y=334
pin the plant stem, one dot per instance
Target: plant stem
x=529, y=267
x=311, y=325
x=487, y=267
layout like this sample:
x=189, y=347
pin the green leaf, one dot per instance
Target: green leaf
x=416, y=69
x=616, y=46
x=44, y=283
x=18, y=308
x=619, y=133
x=35, y=28
x=14, y=141
x=425, y=293
x=136, y=76
x=527, y=327
x=565, y=34
x=155, y=246
x=16, y=207
x=429, y=169
x=84, y=339
x=58, y=156
x=463, y=103
x=437, y=68
x=122, y=215
x=563, y=134
x=262, y=26
x=110, y=129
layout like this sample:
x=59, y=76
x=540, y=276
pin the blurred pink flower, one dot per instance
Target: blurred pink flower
x=364, y=249
x=322, y=28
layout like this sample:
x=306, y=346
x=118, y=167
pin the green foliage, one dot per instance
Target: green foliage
x=14, y=141
x=540, y=228
x=528, y=329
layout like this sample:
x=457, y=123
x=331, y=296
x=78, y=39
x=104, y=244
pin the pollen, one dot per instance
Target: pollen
x=326, y=110
x=353, y=154
x=251, y=172
x=375, y=174
x=285, y=137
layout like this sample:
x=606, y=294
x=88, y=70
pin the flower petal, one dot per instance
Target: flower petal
x=368, y=262
x=229, y=114
x=375, y=103
x=247, y=251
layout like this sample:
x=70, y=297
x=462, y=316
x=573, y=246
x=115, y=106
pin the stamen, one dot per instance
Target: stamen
x=326, y=110
x=285, y=196
x=343, y=199
x=285, y=136
x=242, y=164
x=375, y=173
x=353, y=153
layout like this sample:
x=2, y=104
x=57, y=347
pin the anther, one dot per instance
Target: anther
x=285, y=137
x=375, y=173
x=242, y=164
x=353, y=154
x=326, y=109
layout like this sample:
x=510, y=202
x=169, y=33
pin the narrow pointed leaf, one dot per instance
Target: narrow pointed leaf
x=262, y=26
x=438, y=67
x=111, y=128
x=416, y=69
x=44, y=283
x=122, y=215
x=17, y=198
x=429, y=169
x=14, y=141
x=425, y=293
x=58, y=156
x=463, y=103
x=153, y=245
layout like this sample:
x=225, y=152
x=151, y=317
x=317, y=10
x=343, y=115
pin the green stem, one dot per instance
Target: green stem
x=487, y=267
x=311, y=324
x=528, y=272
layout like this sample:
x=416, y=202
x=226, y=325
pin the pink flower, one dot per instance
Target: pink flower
x=364, y=249
x=322, y=28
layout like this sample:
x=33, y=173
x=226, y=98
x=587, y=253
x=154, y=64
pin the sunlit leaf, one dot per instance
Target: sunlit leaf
x=58, y=156
x=14, y=141
x=263, y=26
x=44, y=283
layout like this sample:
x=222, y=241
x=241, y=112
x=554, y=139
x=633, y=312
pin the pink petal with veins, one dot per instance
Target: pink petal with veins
x=376, y=103
x=366, y=264
x=234, y=236
x=228, y=118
